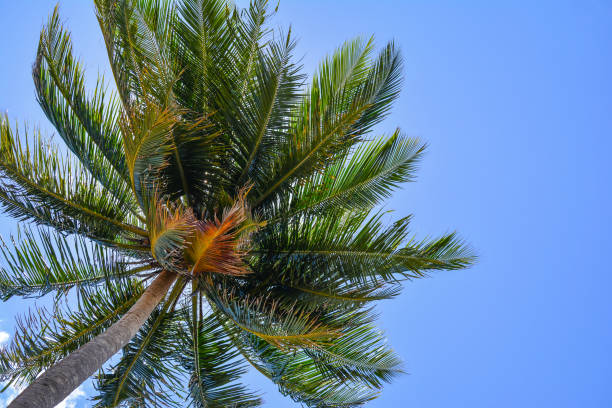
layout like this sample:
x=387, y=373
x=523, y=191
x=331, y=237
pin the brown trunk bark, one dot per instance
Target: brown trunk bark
x=59, y=381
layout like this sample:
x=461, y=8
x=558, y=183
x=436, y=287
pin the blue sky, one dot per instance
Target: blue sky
x=514, y=99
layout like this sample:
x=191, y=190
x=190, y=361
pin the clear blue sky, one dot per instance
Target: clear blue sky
x=515, y=99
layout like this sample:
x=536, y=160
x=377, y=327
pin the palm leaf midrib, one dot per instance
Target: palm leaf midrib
x=347, y=191
x=350, y=118
x=18, y=175
x=263, y=127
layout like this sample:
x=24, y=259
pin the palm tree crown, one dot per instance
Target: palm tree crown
x=212, y=160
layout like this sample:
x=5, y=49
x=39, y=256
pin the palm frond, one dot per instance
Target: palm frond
x=203, y=46
x=145, y=373
x=135, y=36
x=250, y=39
x=360, y=355
x=326, y=292
x=43, y=262
x=44, y=338
x=148, y=143
x=207, y=354
x=36, y=175
x=380, y=89
x=287, y=327
x=194, y=167
x=343, y=73
x=359, y=181
x=296, y=374
x=87, y=125
x=354, y=247
x=153, y=22
x=217, y=50
x=327, y=121
x=271, y=100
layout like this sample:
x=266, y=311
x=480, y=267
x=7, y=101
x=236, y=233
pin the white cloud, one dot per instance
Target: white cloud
x=70, y=402
x=4, y=336
x=9, y=395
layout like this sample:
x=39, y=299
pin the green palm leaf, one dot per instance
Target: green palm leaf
x=273, y=97
x=361, y=180
x=43, y=262
x=204, y=43
x=354, y=247
x=297, y=375
x=88, y=126
x=144, y=374
x=347, y=97
x=359, y=355
x=205, y=351
x=288, y=327
x=39, y=173
x=43, y=338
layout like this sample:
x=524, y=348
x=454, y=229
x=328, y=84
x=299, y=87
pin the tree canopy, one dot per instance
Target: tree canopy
x=212, y=156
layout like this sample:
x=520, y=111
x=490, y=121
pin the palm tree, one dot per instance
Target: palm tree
x=214, y=209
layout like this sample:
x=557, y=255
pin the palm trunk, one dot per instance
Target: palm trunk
x=59, y=381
